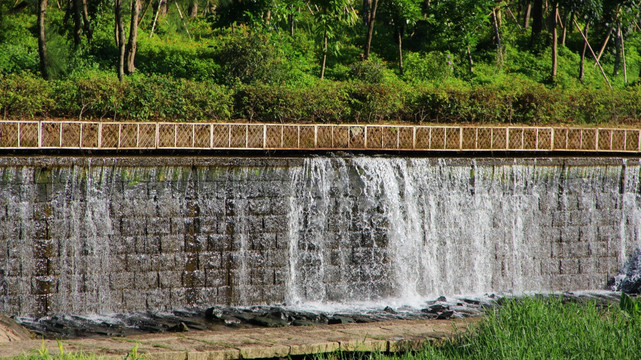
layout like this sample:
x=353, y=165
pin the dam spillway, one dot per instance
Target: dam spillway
x=113, y=234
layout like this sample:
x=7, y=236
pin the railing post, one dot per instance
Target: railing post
x=414, y=137
x=211, y=135
x=611, y=138
x=264, y=136
x=507, y=138
x=460, y=142
x=80, y=139
x=100, y=135
x=119, y=133
x=315, y=136
x=596, y=139
x=157, y=136
x=175, y=136
x=365, y=137
x=39, y=134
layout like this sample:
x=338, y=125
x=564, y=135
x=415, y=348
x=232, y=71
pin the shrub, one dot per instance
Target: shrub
x=24, y=95
x=319, y=102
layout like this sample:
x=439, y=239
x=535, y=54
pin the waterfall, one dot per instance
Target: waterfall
x=401, y=230
x=100, y=235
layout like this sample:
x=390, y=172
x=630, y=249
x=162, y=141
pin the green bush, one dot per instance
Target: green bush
x=320, y=102
x=24, y=95
x=433, y=66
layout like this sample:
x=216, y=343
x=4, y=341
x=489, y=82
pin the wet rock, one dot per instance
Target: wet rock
x=268, y=321
x=445, y=315
x=434, y=309
x=629, y=279
x=182, y=327
x=340, y=320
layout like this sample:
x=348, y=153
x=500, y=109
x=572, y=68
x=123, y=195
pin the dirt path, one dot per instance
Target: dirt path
x=254, y=343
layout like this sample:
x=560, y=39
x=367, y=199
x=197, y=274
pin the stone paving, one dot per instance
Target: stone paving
x=257, y=343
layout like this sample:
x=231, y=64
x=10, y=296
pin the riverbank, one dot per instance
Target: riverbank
x=258, y=343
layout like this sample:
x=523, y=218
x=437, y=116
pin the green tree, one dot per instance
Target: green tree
x=331, y=14
x=460, y=23
x=401, y=14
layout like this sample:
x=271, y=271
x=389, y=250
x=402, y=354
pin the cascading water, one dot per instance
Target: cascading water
x=100, y=236
x=390, y=230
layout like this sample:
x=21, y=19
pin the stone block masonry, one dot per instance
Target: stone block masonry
x=113, y=234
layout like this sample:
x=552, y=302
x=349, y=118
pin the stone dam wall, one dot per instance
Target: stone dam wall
x=114, y=234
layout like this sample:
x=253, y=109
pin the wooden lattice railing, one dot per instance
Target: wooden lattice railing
x=131, y=135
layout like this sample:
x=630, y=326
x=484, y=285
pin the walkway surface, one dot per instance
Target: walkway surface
x=257, y=343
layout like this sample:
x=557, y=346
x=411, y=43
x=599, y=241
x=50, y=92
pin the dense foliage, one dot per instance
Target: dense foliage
x=322, y=60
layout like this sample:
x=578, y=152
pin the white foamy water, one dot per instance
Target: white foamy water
x=367, y=232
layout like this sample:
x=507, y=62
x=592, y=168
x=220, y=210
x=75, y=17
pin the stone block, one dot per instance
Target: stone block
x=193, y=279
x=158, y=300
x=134, y=300
x=569, y=266
x=170, y=279
x=164, y=262
x=146, y=280
x=121, y=280
x=255, y=224
x=276, y=224
x=588, y=266
x=210, y=260
x=159, y=226
x=170, y=244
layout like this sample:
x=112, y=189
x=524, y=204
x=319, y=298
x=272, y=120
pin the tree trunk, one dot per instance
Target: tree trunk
x=567, y=27
x=526, y=20
x=193, y=9
x=182, y=18
x=86, y=22
x=324, y=60
x=469, y=59
x=399, y=33
x=585, y=48
x=77, y=23
x=367, y=4
x=290, y=20
x=120, y=38
x=555, y=40
x=625, y=69
x=537, y=21
x=164, y=7
x=617, y=51
x=605, y=43
x=153, y=25
x=42, y=39
x=497, y=33
x=133, y=37
x=370, y=29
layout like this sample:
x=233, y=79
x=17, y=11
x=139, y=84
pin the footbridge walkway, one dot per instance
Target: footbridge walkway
x=81, y=135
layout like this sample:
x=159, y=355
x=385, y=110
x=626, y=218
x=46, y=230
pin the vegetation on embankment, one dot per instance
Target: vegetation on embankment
x=163, y=98
x=531, y=328
x=414, y=61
